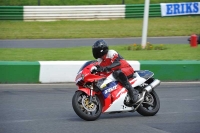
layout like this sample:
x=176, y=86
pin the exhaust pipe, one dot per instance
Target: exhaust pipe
x=154, y=84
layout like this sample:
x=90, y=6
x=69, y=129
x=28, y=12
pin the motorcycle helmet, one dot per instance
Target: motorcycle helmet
x=99, y=49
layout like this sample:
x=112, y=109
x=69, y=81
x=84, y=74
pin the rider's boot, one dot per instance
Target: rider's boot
x=121, y=77
x=132, y=93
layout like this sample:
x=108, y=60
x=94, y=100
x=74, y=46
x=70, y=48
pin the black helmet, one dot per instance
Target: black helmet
x=99, y=49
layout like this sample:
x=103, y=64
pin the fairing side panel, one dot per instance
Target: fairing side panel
x=138, y=81
x=118, y=105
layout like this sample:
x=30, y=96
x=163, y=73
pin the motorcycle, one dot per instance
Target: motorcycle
x=99, y=94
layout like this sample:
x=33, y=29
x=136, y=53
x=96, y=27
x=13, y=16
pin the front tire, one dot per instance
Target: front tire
x=84, y=109
x=151, y=104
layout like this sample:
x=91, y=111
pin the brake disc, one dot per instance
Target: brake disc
x=87, y=105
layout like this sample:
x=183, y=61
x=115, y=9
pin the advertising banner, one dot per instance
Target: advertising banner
x=174, y=9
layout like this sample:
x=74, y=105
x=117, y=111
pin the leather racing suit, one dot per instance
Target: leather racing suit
x=121, y=69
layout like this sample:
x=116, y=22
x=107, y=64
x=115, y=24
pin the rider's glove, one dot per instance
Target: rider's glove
x=93, y=70
x=102, y=69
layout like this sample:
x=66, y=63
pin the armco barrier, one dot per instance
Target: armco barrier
x=95, y=12
x=74, y=12
x=11, y=12
x=137, y=11
x=65, y=71
x=48, y=13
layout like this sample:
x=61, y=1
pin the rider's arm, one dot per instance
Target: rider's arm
x=116, y=63
x=115, y=59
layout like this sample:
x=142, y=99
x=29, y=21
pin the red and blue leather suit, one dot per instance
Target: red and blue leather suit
x=109, y=61
x=113, y=61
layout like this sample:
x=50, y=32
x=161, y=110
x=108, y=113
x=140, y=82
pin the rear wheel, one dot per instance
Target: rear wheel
x=151, y=104
x=84, y=109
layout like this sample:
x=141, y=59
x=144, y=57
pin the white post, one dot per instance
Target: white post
x=145, y=23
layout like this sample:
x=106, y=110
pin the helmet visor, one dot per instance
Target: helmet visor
x=96, y=53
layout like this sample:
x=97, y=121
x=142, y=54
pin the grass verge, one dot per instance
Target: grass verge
x=173, y=52
x=169, y=26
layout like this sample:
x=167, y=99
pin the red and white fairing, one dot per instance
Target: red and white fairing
x=113, y=94
x=100, y=93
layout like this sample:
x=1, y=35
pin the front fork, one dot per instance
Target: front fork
x=89, y=90
x=91, y=93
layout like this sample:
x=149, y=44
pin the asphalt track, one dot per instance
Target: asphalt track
x=46, y=108
x=64, y=43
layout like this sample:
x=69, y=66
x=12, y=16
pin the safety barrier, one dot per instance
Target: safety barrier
x=47, y=13
x=19, y=72
x=137, y=11
x=173, y=70
x=73, y=12
x=11, y=12
x=65, y=71
x=31, y=13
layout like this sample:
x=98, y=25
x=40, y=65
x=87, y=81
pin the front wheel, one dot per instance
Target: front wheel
x=84, y=109
x=151, y=104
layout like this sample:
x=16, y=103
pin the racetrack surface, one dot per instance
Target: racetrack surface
x=43, y=108
x=63, y=43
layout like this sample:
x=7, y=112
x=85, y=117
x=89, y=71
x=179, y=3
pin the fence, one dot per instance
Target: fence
x=76, y=12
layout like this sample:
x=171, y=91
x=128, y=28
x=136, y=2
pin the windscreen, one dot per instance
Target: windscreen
x=86, y=64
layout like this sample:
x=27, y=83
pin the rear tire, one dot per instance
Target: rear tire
x=83, y=109
x=150, y=106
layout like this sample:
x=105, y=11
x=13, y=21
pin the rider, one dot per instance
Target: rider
x=111, y=61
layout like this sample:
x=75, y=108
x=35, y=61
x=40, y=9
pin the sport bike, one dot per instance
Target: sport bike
x=98, y=93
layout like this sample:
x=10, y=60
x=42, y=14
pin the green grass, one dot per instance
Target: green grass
x=169, y=26
x=84, y=2
x=173, y=52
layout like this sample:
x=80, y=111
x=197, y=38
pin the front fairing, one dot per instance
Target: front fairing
x=84, y=70
x=84, y=75
x=92, y=78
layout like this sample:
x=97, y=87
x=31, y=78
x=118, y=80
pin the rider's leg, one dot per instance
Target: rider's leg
x=121, y=77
